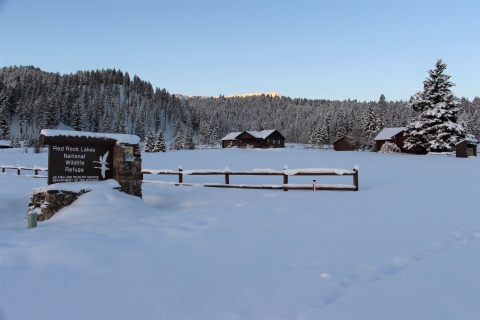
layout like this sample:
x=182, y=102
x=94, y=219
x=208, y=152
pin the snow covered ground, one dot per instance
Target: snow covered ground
x=406, y=246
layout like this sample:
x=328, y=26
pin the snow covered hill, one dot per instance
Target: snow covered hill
x=406, y=246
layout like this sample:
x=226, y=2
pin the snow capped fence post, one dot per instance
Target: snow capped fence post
x=180, y=174
x=285, y=178
x=32, y=219
x=355, y=178
x=314, y=185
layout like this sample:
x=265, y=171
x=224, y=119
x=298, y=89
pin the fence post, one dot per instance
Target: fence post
x=32, y=219
x=180, y=175
x=18, y=170
x=285, y=179
x=355, y=178
x=227, y=178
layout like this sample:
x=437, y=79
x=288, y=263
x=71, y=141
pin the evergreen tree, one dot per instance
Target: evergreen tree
x=204, y=132
x=160, y=145
x=322, y=137
x=178, y=136
x=436, y=128
x=189, y=143
x=14, y=142
x=149, y=142
x=4, y=123
x=381, y=113
x=341, y=131
x=369, y=127
x=77, y=116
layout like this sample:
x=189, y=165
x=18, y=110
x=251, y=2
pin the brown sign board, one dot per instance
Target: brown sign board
x=72, y=159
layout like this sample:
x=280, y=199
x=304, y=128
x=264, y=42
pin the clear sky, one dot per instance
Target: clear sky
x=309, y=49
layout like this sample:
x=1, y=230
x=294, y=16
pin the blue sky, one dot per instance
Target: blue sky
x=309, y=49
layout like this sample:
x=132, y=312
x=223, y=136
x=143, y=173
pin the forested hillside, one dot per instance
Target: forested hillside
x=111, y=101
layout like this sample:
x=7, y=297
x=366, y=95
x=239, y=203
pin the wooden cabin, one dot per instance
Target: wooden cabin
x=5, y=144
x=254, y=139
x=343, y=144
x=394, y=135
x=466, y=148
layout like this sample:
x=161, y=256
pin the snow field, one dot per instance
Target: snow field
x=405, y=246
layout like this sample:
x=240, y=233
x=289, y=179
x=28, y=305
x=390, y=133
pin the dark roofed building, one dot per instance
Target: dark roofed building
x=466, y=148
x=254, y=139
x=342, y=144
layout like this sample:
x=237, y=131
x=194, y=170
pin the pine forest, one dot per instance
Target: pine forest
x=111, y=101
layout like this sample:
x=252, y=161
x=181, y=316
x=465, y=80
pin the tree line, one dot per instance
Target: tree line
x=109, y=100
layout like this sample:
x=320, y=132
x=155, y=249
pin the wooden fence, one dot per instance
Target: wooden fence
x=267, y=172
x=227, y=173
x=20, y=168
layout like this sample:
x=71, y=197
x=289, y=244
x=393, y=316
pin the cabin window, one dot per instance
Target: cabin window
x=268, y=141
x=273, y=141
x=278, y=141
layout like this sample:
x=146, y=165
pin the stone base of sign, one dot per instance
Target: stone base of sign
x=128, y=173
x=47, y=203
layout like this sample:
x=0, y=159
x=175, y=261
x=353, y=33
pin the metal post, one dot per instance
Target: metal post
x=32, y=219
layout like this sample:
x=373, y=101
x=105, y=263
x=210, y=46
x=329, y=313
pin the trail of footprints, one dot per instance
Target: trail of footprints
x=335, y=286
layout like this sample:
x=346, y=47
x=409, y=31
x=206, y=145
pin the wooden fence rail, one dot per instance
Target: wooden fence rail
x=267, y=172
x=259, y=172
x=20, y=168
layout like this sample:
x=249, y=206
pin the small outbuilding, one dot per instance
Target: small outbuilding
x=343, y=144
x=466, y=148
x=254, y=139
x=393, y=135
x=5, y=144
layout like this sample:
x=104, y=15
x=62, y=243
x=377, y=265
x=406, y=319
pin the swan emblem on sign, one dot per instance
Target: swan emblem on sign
x=103, y=162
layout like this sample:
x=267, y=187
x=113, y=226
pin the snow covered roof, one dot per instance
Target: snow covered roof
x=121, y=138
x=231, y=136
x=256, y=134
x=469, y=140
x=388, y=133
x=5, y=143
x=261, y=134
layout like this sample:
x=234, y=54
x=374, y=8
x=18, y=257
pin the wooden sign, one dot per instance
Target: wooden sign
x=71, y=163
x=72, y=159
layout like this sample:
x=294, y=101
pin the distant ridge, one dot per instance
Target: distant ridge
x=273, y=94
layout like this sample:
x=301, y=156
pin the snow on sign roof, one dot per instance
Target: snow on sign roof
x=231, y=136
x=388, y=133
x=121, y=138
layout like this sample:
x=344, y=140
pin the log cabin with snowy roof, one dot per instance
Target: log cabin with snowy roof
x=393, y=135
x=254, y=139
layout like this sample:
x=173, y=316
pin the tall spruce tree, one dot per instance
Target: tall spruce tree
x=149, y=142
x=160, y=142
x=436, y=127
x=4, y=123
x=189, y=143
x=178, y=136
